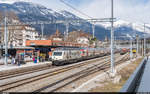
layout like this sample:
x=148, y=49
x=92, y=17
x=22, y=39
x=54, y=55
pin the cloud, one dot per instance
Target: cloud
x=129, y=10
x=56, y=5
x=11, y=1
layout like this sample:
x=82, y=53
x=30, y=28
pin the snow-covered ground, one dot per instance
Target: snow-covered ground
x=9, y=60
x=3, y=59
x=9, y=66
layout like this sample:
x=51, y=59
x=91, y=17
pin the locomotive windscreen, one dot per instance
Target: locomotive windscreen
x=57, y=53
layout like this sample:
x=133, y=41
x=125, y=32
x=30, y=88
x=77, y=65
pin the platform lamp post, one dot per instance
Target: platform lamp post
x=112, y=38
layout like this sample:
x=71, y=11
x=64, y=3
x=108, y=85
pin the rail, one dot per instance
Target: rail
x=132, y=83
x=54, y=87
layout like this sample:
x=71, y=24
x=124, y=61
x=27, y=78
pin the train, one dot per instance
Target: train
x=124, y=51
x=62, y=56
x=134, y=50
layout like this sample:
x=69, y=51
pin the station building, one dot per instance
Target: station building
x=17, y=37
x=24, y=52
x=46, y=47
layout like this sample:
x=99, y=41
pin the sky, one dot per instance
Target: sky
x=128, y=10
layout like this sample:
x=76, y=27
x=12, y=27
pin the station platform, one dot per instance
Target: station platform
x=9, y=60
x=3, y=59
x=29, y=64
x=144, y=85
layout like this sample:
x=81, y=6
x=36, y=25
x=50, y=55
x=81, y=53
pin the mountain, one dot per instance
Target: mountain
x=123, y=28
x=30, y=12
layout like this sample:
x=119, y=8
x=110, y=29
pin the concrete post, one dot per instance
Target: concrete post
x=112, y=39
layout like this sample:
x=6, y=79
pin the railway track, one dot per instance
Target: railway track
x=23, y=71
x=6, y=76
x=22, y=82
x=80, y=75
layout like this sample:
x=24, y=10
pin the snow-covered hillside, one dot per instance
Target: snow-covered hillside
x=135, y=26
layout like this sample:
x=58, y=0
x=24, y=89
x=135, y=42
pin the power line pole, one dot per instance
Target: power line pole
x=142, y=47
x=137, y=44
x=67, y=31
x=42, y=29
x=144, y=41
x=93, y=29
x=5, y=39
x=112, y=39
x=131, y=54
x=115, y=38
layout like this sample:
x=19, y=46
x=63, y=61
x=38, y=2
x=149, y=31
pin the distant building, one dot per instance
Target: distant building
x=57, y=36
x=29, y=33
x=17, y=35
x=79, y=36
x=82, y=40
x=106, y=39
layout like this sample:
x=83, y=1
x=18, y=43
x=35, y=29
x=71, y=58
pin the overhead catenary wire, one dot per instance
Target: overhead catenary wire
x=67, y=4
x=93, y=24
